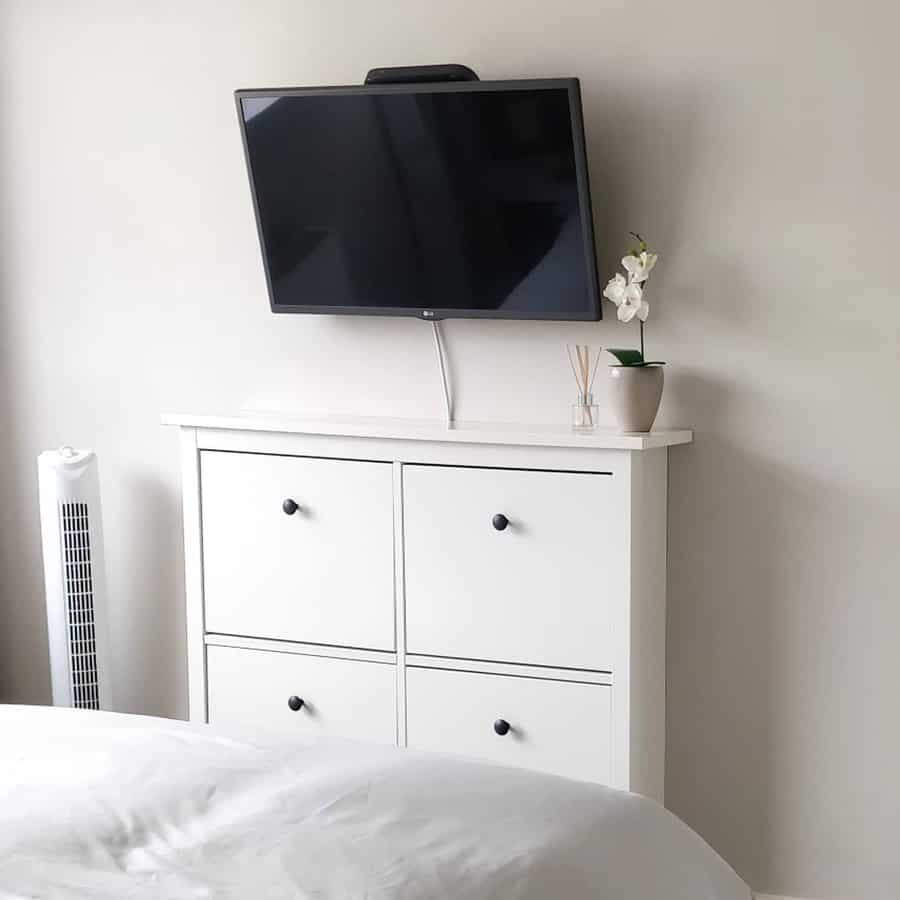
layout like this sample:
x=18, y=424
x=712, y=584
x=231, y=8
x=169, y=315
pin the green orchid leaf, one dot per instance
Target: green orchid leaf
x=653, y=362
x=627, y=357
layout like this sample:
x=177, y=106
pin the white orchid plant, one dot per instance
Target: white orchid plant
x=627, y=293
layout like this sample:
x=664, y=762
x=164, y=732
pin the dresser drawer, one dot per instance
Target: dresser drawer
x=323, y=574
x=557, y=726
x=546, y=589
x=340, y=697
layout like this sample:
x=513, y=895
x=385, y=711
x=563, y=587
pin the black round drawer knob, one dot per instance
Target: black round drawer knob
x=500, y=522
x=290, y=506
x=295, y=703
x=501, y=727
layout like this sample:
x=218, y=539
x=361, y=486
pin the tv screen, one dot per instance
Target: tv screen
x=435, y=200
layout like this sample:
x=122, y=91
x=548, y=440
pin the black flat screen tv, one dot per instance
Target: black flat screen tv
x=437, y=200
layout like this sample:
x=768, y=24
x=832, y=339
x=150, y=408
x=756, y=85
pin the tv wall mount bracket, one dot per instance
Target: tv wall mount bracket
x=420, y=74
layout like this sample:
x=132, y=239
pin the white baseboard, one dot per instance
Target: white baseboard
x=774, y=897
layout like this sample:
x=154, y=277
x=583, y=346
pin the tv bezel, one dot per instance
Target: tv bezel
x=591, y=314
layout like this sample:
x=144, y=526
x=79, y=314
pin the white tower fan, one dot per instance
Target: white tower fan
x=74, y=578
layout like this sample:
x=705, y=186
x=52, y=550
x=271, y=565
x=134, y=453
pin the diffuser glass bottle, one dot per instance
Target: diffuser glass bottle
x=584, y=367
x=584, y=413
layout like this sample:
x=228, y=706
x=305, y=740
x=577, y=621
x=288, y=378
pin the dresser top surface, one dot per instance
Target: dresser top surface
x=432, y=430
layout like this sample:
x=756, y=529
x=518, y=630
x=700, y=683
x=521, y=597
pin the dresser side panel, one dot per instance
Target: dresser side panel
x=193, y=575
x=647, y=652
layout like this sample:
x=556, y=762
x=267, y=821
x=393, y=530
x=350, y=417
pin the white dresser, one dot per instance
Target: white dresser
x=489, y=591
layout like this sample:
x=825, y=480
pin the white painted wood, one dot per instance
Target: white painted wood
x=434, y=430
x=323, y=575
x=645, y=732
x=580, y=459
x=193, y=575
x=543, y=591
x=559, y=727
x=568, y=614
x=252, y=643
x=341, y=697
x=489, y=667
x=399, y=601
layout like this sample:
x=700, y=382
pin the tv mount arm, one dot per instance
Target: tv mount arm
x=420, y=74
x=425, y=75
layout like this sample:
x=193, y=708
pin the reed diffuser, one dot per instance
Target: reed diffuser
x=584, y=367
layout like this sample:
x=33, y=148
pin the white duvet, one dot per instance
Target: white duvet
x=99, y=805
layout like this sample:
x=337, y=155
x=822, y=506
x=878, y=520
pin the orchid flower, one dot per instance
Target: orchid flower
x=615, y=289
x=638, y=267
x=633, y=305
x=628, y=298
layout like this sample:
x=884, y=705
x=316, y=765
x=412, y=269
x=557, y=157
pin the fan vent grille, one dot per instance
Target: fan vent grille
x=79, y=582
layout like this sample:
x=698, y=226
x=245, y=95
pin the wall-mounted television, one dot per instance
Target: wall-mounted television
x=437, y=200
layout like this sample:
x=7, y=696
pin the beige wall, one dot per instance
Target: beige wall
x=756, y=144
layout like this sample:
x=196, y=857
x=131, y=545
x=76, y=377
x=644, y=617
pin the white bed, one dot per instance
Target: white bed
x=102, y=805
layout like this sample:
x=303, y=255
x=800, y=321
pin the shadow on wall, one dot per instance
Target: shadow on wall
x=8, y=502
x=765, y=619
x=725, y=507
x=723, y=542
x=636, y=182
x=24, y=674
x=147, y=633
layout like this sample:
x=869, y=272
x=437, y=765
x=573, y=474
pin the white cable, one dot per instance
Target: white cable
x=439, y=344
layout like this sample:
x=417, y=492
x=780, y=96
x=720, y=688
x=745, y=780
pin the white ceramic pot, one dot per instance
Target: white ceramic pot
x=635, y=393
